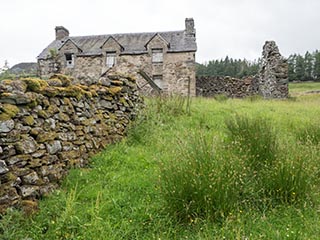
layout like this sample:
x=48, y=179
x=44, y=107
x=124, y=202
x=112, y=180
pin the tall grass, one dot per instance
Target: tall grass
x=160, y=110
x=191, y=169
x=309, y=134
x=198, y=183
x=212, y=180
x=255, y=138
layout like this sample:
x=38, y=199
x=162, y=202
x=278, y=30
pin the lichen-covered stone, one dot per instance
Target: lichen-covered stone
x=29, y=191
x=8, y=194
x=63, y=117
x=6, y=126
x=22, y=160
x=31, y=179
x=28, y=120
x=26, y=146
x=39, y=153
x=3, y=167
x=65, y=80
x=67, y=136
x=46, y=136
x=34, y=84
x=114, y=90
x=54, y=127
x=8, y=111
x=53, y=147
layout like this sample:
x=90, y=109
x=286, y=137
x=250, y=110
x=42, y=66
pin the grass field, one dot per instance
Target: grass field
x=231, y=169
x=301, y=88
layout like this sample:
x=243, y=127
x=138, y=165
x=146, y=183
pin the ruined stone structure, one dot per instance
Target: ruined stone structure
x=228, y=86
x=273, y=75
x=167, y=57
x=271, y=81
x=47, y=127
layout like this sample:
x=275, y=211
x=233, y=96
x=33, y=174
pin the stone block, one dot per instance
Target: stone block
x=6, y=126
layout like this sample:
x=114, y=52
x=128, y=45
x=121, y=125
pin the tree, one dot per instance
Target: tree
x=300, y=68
x=316, y=68
x=292, y=67
x=308, y=62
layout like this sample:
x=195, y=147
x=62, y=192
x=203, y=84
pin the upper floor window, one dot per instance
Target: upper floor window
x=70, y=59
x=111, y=59
x=157, y=55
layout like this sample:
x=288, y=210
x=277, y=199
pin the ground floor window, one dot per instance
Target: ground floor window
x=158, y=79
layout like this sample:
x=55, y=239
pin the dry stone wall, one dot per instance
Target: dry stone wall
x=47, y=127
x=228, y=86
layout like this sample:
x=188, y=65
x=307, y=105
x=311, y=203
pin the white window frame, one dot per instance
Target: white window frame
x=69, y=62
x=111, y=59
x=157, y=55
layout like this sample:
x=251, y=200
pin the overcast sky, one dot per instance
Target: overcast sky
x=237, y=28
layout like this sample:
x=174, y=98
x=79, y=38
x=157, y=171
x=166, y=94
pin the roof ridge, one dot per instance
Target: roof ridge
x=115, y=34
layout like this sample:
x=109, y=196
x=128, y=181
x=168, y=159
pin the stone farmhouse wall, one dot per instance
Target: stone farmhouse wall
x=166, y=57
x=48, y=127
x=177, y=70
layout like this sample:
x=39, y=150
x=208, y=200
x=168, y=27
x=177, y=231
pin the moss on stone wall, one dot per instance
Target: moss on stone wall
x=8, y=111
x=49, y=126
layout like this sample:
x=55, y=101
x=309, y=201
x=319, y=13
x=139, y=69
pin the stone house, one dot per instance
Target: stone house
x=168, y=58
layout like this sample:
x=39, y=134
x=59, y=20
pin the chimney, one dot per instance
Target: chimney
x=61, y=32
x=190, y=30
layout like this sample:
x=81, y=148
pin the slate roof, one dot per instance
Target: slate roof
x=133, y=43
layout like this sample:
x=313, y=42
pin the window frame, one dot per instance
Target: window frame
x=69, y=62
x=158, y=80
x=157, y=55
x=111, y=55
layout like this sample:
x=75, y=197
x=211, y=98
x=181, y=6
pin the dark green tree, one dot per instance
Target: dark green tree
x=316, y=67
x=308, y=62
x=300, y=68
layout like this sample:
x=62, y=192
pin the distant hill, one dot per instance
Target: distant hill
x=25, y=68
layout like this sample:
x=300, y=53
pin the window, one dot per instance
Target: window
x=70, y=59
x=158, y=80
x=157, y=55
x=111, y=59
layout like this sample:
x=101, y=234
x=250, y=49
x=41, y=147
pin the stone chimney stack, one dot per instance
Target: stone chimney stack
x=190, y=30
x=61, y=32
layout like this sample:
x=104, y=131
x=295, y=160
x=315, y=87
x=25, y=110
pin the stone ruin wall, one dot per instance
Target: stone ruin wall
x=208, y=86
x=273, y=75
x=48, y=127
x=270, y=82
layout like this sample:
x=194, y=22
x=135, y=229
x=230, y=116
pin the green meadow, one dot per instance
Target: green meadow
x=217, y=169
